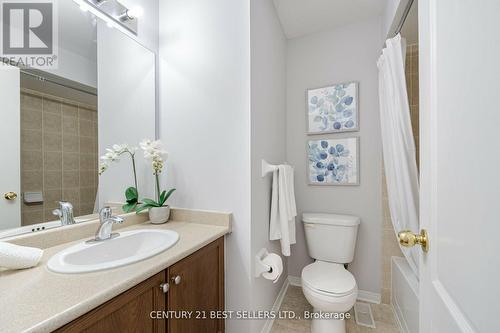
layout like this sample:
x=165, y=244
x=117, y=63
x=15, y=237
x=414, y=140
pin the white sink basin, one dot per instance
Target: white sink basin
x=131, y=246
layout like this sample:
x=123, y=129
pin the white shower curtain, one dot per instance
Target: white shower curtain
x=398, y=144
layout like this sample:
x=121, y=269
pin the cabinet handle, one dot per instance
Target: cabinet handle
x=164, y=287
x=176, y=279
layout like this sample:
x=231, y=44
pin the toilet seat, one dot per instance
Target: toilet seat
x=329, y=279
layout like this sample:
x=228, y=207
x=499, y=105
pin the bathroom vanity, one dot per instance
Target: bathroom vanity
x=192, y=287
x=189, y=276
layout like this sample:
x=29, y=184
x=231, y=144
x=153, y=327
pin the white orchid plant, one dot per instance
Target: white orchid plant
x=114, y=154
x=154, y=152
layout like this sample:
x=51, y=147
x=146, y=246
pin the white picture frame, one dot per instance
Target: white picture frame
x=333, y=108
x=333, y=162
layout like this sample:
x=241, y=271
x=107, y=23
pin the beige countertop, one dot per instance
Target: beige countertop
x=38, y=300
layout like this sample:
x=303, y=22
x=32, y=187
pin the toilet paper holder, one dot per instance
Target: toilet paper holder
x=260, y=267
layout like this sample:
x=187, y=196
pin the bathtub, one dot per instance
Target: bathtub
x=404, y=295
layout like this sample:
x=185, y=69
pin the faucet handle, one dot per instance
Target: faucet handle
x=57, y=212
x=65, y=204
x=105, y=213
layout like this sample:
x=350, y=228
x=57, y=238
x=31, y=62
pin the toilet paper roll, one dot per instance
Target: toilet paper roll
x=274, y=261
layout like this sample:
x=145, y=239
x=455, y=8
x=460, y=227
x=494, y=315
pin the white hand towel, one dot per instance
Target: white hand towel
x=18, y=257
x=283, y=208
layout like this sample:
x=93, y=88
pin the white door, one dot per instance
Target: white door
x=10, y=178
x=460, y=165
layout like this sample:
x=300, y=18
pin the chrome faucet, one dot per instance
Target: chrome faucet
x=105, y=228
x=65, y=213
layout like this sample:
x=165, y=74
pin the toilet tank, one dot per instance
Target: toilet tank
x=331, y=237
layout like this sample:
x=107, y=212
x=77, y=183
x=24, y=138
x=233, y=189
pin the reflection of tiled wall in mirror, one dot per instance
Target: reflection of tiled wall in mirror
x=59, y=154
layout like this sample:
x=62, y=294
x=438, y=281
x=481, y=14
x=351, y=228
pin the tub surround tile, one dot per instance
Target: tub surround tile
x=71, y=143
x=70, y=125
x=87, y=194
x=52, y=141
x=50, y=151
x=71, y=161
x=32, y=216
x=52, y=198
x=86, y=128
x=71, y=179
x=31, y=161
x=86, y=114
x=87, y=208
x=86, y=145
x=31, y=119
x=87, y=178
x=51, y=105
x=31, y=140
x=31, y=101
x=71, y=194
x=52, y=123
x=88, y=162
x=32, y=180
x=52, y=180
x=69, y=110
x=52, y=161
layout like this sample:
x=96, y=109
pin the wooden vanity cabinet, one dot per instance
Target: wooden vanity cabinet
x=196, y=291
x=197, y=286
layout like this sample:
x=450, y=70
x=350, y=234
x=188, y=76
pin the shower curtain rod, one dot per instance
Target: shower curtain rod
x=404, y=17
x=46, y=79
x=51, y=78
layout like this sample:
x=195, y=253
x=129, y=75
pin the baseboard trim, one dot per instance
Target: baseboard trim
x=363, y=295
x=295, y=281
x=400, y=322
x=276, y=306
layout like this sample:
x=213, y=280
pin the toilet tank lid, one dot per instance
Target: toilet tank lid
x=331, y=219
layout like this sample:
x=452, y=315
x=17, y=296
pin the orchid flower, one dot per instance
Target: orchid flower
x=113, y=155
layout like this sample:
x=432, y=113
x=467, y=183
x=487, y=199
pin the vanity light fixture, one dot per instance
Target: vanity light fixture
x=84, y=8
x=114, y=13
x=131, y=14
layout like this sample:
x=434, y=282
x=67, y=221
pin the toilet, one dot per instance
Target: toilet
x=327, y=285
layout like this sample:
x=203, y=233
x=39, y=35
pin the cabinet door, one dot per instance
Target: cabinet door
x=128, y=312
x=197, y=285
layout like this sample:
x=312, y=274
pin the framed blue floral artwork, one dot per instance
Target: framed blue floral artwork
x=333, y=161
x=333, y=109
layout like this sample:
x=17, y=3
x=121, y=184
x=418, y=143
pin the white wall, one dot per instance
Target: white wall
x=205, y=122
x=345, y=54
x=268, y=109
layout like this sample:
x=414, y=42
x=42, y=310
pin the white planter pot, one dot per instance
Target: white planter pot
x=159, y=215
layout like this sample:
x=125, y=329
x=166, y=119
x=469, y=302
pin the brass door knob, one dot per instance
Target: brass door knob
x=10, y=195
x=409, y=239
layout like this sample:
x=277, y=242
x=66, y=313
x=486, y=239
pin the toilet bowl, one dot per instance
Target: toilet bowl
x=327, y=285
x=332, y=291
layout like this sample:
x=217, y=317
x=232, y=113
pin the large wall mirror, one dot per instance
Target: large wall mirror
x=55, y=124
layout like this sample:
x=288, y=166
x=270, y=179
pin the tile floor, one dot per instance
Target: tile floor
x=295, y=301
